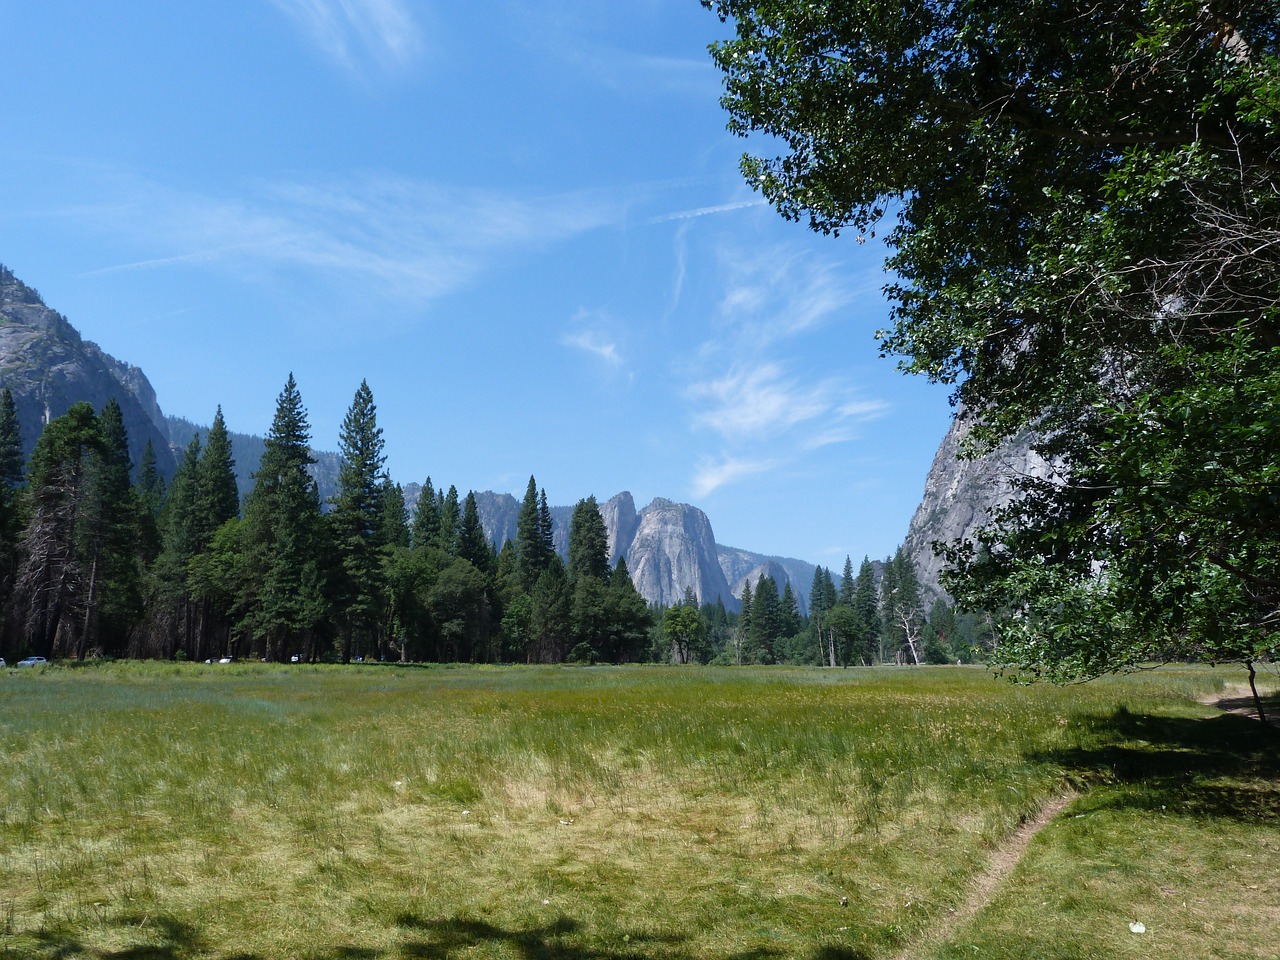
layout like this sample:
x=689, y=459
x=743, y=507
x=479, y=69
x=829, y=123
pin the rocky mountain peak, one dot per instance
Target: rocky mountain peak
x=48, y=366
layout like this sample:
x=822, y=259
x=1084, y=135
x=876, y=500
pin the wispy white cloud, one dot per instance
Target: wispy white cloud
x=594, y=343
x=352, y=33
x=752, y=403
x=712, y=474
x=407, y=240
x=708, y=211
x=777, y=293
x=758, y=383
x=757, y=401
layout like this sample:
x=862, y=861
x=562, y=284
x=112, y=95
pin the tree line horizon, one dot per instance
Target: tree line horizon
x=102, y=558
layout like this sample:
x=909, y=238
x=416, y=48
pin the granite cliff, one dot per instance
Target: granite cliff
x=48, y=367
x=959, y=496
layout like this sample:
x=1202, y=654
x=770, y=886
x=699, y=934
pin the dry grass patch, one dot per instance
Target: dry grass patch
x=157, y=812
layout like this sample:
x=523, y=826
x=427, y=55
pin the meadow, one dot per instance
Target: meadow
x=165, y=811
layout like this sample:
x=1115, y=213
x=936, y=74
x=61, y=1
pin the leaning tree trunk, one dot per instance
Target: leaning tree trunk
x=1253, y=685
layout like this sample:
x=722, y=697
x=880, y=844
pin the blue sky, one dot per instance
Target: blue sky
x=522, y=223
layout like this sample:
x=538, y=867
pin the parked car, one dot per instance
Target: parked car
x=2, y=663
x=31, y=662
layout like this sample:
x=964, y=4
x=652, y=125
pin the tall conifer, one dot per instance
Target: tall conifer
x=109, y=541
x=283, y=597
x=472, y=544
x=10, y=514
x=426, y=518
x=394, y=524
x=356, y=520
x=588, y=542
x=219, y=495
x=533, y=545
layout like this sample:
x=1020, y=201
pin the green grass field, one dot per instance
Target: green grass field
x=254, y=812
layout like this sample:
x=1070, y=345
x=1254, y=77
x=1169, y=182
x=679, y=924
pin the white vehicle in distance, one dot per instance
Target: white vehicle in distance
x=31, y=662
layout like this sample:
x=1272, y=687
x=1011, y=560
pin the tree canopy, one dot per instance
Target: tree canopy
x=1081, y=209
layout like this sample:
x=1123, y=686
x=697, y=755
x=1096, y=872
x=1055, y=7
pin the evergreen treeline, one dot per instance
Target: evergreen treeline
x=99, y=558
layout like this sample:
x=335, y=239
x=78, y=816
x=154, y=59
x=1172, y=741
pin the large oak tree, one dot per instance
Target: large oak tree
x=1081, y=205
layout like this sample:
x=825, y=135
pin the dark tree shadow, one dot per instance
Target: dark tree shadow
x=178, y=941
x=429, y=939
x=1246, y=706
x=450, y=937
x=1226, y=767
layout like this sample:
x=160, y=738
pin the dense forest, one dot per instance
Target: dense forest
x=99, y=557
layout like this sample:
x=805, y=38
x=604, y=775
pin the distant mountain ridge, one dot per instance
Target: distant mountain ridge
x=246, y=450
x=668, y=547
x=48, y=366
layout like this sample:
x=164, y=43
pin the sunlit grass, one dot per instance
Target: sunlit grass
x=186, y=810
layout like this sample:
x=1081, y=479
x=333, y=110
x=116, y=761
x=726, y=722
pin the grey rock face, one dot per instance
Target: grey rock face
x=743, y=566
x=498, y=513
x=48, y=366
x=674, y=548
x=668, y=546
x=959, y=496
x=621, y=523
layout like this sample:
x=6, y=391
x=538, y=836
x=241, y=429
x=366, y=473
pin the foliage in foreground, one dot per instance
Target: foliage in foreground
x=184, y=811
x=1084, y=229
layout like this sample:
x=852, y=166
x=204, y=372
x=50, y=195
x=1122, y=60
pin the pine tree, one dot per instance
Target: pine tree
x=283, y=599
x=741, y=635
x=588, y=542
x=393, y=523
x=789, y=623
x=10, y=467
x=764, y=620
x=819, y=601
x=216, y=502
x=550, y=614
x=151, y=497
x=426, y=518
x=867, y=618
x=533, y=544
x=847, y=586
x=180, y=544
x=588, y=576
x=822, y=601
x=888, y=639
x=546, y=530
x=219, y=495
x=588, y=619
x=356, y=522
x=628, y=617
x=10, y=513
x=108, y=534
x=450, y=521
x=472, y=544
x=52, y=574
x=181, y=523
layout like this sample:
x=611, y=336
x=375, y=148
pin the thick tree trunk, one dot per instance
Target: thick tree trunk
x=90, y=600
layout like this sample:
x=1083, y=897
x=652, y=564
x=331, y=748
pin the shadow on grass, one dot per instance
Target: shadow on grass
x=178, y=941
x=1225, y=767
x=427, y=939
x=1245, y=705
x=454, y=937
